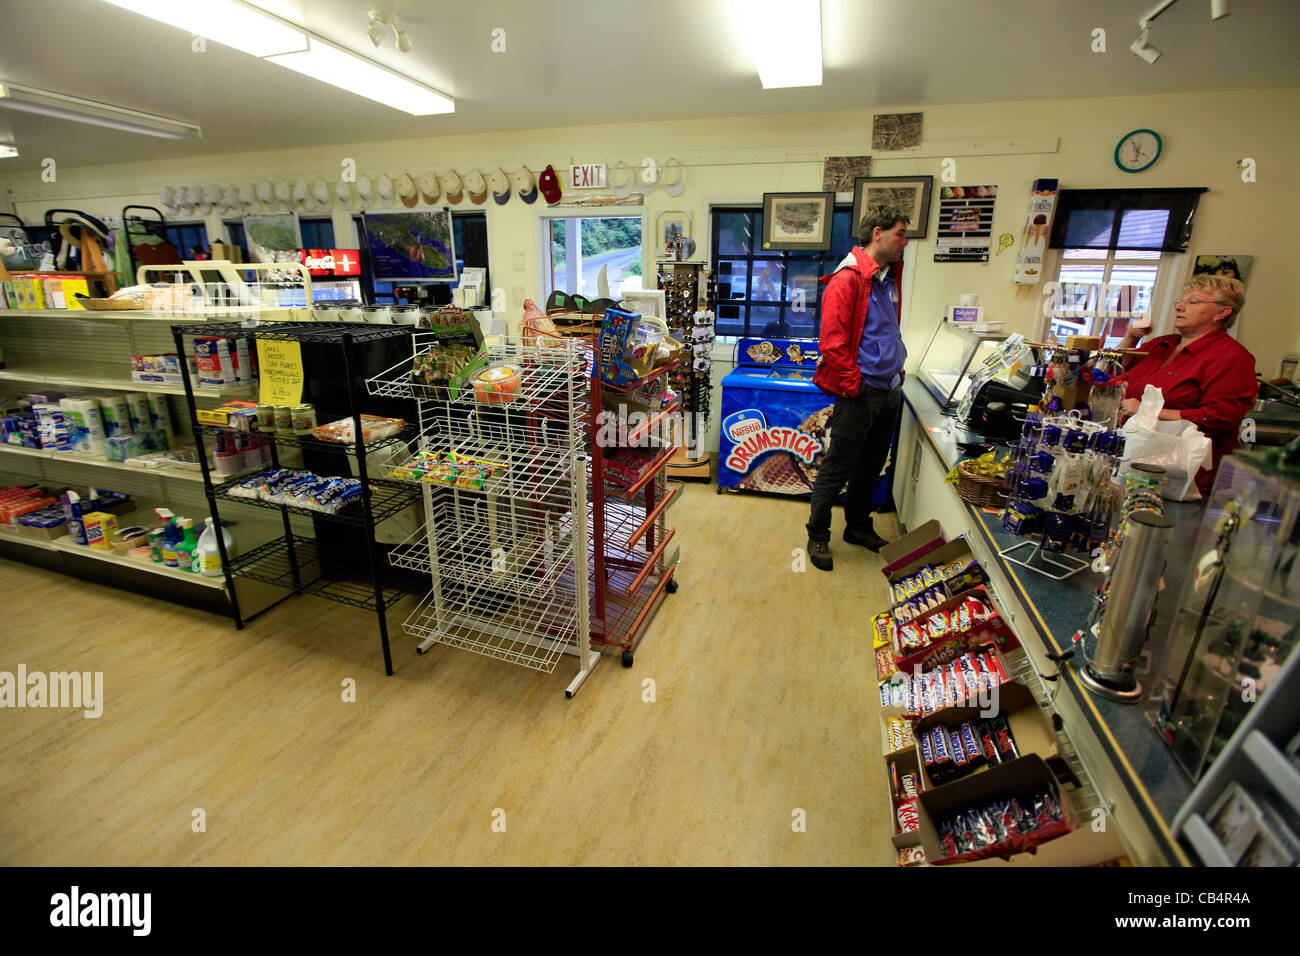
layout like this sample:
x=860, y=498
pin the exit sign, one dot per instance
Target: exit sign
x=587, y=176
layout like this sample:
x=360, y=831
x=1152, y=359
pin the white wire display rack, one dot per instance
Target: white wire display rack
x=505, y=560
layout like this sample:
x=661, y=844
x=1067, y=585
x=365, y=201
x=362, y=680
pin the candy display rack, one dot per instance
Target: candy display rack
x=292, y=560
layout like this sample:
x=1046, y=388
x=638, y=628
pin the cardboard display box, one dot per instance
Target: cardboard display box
x=993, y=631
x=1020, y=778
x=905, y=761
x=909, y=548
x=955, y=550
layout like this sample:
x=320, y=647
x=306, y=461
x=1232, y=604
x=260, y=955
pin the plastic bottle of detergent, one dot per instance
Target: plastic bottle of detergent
x=185, y=547
x=171, y=537
x=207, y=555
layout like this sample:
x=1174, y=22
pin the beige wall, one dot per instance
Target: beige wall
x=741, y=158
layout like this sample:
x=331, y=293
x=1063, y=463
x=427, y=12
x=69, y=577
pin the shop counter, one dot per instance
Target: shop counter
x=1131, y=766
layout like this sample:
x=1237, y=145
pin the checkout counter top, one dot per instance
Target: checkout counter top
x=1057, y=609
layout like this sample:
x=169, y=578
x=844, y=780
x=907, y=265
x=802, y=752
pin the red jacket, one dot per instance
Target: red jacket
x=844, y=314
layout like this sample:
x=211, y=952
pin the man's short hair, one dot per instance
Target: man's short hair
x=1225, y=290
x=882, y=213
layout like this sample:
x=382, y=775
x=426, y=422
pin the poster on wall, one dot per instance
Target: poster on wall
x=965, y=227
x=1235, y=267
x=895, y=131
x=411, y=246
x=1038, y=228
x=273, y=238
x=840, y=172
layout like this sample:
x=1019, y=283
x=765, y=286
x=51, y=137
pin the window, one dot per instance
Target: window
x=576, y=248
x=770, y=293
x=317, y=233
x=235, y=230
x=1101, y=292
x=187, y=237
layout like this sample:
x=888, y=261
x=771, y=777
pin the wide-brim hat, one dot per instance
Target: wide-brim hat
x=430, y=188
x=476, y=186
x=452, y=187
x=499, y=183
x=406, y=190
x=525, y=184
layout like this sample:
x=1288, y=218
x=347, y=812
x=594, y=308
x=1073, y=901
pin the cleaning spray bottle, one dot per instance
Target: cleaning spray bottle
x=208, y=554
x=170, y=537
x=185, y=548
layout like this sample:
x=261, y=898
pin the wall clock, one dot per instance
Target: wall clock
x=1138, y=150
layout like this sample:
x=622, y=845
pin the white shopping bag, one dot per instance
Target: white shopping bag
x=1180, y=448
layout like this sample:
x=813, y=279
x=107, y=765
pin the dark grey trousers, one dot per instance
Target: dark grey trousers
x=860, y=431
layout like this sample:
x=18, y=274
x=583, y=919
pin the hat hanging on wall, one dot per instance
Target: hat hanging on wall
x=343, y=192
x=167, y=198
x=624, y=189
x=525, y=184
x=230, y=199
x=406, y=190
x=549, y=184
x=302, y=199
x=284, y=194
x=247, y=198
x=266, y=194
x=638, y=178
x=384, y=190
x=321, y=192
x=184, y=202
x=430, y=190
x=499, y=183
x=452, y=187
x=365, y=190
x=476, y=186
x=677, y=185
x=205, y=198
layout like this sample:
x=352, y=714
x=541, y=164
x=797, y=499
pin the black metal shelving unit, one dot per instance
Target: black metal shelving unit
x=294, y=561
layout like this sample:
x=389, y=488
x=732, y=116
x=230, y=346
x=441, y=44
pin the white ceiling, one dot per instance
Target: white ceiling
x=579, y=62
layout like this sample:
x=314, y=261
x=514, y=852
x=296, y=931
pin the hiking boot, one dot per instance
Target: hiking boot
x=819, y=553
x=867, y=539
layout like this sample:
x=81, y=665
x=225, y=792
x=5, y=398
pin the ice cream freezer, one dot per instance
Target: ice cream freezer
x=775, y=425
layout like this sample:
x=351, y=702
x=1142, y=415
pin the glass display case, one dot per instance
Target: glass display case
x=953, y=355
x=1235, y=624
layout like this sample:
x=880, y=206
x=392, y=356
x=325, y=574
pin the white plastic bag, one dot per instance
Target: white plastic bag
x=1180, y=448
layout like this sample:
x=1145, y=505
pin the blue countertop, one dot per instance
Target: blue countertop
x=1062, y=607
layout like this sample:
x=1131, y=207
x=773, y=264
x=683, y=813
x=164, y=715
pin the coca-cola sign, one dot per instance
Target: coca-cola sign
x=332, y=262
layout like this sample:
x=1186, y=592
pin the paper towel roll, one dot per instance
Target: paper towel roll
x=138, y=405
x=116, y=415
x=86, y=433
x=161, y=414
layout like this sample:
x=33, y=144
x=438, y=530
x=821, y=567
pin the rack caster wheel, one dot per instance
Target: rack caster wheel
x=627, y=658
x=671, y=586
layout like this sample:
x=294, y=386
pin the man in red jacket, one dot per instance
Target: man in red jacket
x=861, y=364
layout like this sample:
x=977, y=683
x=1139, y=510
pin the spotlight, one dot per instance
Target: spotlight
x=1144, y=49
x=376, y=33
x=1219, y=9
x=403, y=42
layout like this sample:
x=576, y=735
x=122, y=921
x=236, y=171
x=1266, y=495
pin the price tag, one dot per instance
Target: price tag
x=280, y=367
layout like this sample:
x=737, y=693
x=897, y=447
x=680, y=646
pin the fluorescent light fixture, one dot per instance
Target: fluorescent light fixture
x=785, y=39
x=7, y=150
x=28, y=99
x=331, y=64
x=228, y=22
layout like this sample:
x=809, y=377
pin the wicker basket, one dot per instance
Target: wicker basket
x=108, y=305
x=980, y=490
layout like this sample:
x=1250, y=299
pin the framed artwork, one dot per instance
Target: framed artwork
x=910, y=192
x=1235, y=267
x=672, y=225
x=840, y=172
x=797, y=221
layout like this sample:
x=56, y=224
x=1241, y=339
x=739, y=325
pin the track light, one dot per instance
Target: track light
x=8, y=150
x=1219, y=9
x=403, y=42
x=376, y=33
x=1144, y=49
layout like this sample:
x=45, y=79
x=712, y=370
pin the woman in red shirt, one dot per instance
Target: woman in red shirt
x=1206, y=376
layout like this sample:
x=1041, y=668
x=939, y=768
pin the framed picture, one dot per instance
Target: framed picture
x=672, y=225
x=797, y=221
x=910, y=192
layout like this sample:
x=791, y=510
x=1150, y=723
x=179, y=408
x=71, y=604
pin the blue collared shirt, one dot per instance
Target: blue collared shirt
x=881, y=353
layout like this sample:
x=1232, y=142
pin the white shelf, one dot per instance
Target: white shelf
x=121, y=384
x=297, y=314
x=163, y=471
x=40, y=544
x=112, y=557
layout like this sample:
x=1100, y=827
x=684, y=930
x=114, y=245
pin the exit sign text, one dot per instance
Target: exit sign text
x=587, y=176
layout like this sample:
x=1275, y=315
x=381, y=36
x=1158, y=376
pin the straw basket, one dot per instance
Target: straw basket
x=108, y=305
x=980, y=490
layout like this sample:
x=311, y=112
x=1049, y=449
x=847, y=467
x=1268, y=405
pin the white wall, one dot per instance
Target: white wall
x=743, y=157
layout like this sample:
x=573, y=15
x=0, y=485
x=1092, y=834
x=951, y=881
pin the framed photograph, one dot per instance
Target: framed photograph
x=797, y=221
x=672, y=225
x=910, y=192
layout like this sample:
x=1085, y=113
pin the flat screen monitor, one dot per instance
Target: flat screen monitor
x=411, y=246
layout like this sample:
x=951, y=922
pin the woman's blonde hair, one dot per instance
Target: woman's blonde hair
x=1225, y=290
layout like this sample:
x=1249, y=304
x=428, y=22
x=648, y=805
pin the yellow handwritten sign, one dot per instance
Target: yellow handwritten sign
x=280, y=366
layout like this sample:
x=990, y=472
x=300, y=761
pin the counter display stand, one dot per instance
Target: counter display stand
x=293, y=560
x=690, y=289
